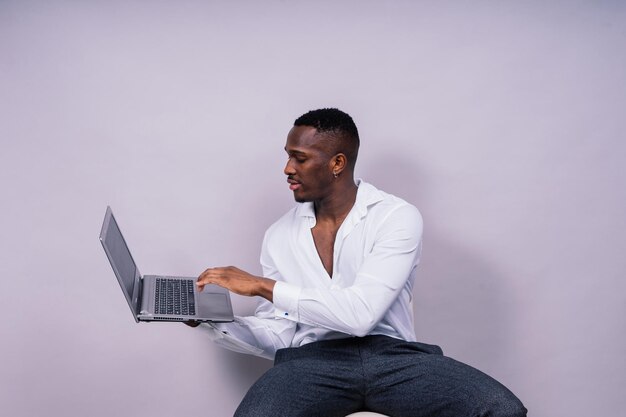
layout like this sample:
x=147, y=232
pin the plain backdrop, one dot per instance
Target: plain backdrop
x=502, y=121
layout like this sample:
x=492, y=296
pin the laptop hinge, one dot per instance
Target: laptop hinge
x=139, y=295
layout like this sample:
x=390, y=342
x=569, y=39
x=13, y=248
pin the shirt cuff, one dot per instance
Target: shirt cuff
x=286, y=297
x=219, y=334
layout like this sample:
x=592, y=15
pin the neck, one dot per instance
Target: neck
x=335, y=207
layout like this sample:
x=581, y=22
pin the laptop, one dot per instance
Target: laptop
x=157, y=297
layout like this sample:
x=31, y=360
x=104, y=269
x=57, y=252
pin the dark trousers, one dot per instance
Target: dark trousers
x=375, y=373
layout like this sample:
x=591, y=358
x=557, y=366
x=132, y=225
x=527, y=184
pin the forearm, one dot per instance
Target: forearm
x=354, y=310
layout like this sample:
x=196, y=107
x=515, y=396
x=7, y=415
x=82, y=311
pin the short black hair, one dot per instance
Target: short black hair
x=336, y=125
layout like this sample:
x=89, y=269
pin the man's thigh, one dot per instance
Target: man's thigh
x=406, y=380
x=303, y=387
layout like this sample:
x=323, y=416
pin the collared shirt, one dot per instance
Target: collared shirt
x=375, y=256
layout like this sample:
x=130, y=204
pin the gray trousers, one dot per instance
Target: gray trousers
x=375, y=373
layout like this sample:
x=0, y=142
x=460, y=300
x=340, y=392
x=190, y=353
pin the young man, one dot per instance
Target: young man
x=336, y=300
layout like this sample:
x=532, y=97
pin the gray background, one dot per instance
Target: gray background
x=502, y=121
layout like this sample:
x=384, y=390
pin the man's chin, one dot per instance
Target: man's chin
x=300, y=198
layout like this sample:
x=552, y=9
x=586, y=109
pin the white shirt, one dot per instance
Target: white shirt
x=376, y=253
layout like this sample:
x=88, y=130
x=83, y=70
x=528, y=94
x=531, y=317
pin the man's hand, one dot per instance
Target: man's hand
x=238, y=281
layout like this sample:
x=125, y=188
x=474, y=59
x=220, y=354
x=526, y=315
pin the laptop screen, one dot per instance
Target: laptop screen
x=119, y=255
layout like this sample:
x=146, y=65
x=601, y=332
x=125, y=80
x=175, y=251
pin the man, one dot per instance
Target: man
x=336, y=307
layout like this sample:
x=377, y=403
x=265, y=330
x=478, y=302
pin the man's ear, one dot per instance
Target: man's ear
x=339, y=163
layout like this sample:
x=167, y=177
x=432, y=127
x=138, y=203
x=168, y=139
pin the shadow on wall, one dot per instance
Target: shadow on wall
x=461, y=302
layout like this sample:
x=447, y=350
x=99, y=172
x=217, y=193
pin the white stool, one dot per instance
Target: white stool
x=366, y=414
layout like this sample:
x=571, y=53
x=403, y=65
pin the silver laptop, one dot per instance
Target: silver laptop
x=161, y=298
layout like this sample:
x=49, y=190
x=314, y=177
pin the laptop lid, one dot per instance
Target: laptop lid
x=122, y=261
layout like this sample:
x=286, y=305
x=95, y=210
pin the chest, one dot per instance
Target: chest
x=309, y=256
x=324, y=241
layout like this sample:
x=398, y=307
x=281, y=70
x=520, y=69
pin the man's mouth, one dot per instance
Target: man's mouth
x=293, y=184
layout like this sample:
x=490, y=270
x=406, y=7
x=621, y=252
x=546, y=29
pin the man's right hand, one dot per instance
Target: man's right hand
x=237, y=281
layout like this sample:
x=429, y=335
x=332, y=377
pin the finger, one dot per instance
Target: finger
x=209, y=276
x=202, y=280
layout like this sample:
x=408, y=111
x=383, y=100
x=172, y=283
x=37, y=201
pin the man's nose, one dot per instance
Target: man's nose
x=289, y=170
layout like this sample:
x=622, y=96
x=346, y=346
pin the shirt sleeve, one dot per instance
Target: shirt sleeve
x=251, y=335
x=357, y=309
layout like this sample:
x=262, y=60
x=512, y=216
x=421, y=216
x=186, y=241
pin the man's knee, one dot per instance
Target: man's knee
x=503, y=405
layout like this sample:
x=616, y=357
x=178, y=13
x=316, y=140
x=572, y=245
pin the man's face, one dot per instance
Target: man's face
x=308, y=168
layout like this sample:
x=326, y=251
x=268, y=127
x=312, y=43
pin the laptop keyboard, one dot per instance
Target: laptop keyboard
x=174, y=296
